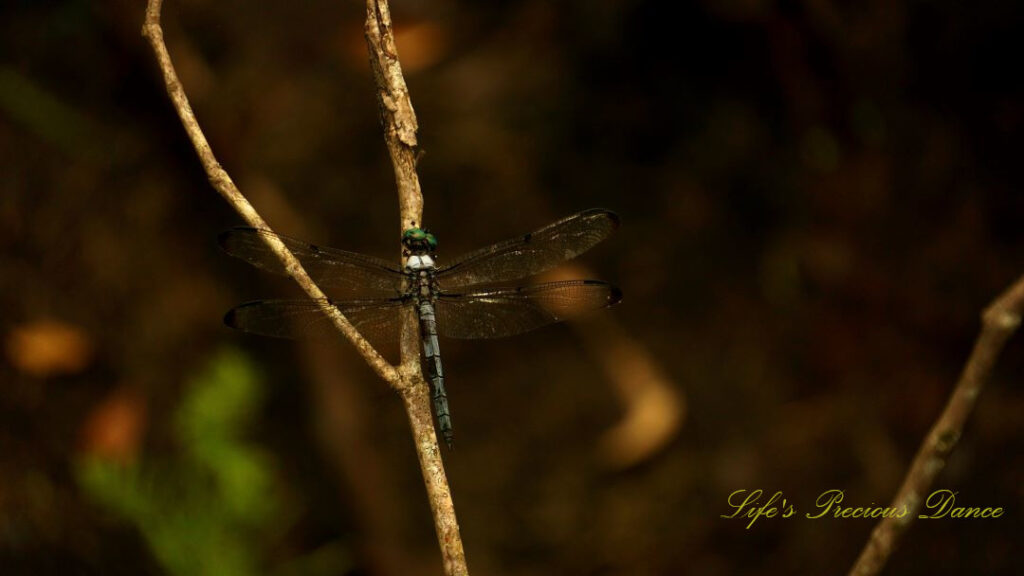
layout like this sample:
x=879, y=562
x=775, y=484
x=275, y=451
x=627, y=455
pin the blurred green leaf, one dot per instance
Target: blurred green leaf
x=210, y=510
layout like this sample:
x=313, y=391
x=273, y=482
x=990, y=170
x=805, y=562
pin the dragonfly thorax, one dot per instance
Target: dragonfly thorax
x=418, y=262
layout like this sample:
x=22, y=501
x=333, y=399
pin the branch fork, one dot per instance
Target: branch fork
x=399, y=123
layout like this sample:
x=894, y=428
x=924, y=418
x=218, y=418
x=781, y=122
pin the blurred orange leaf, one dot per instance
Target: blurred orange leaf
x=420, y=45
x=48, y=348
x=113, y=430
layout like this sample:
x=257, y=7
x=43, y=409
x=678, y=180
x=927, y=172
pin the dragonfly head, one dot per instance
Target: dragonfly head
x=419, y=241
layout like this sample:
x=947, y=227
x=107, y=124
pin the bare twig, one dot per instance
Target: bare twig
x=399, y=123
x=396, y=111
x=220, y=180
x=999, y=321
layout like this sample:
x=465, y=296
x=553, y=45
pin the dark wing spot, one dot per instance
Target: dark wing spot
x=615, y=296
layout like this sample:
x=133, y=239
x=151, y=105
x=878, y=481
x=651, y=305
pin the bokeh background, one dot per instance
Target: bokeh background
x=818, y=199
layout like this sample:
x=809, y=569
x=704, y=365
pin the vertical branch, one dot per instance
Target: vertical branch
x=397, y=115
x=999, y=321
x=399, y=122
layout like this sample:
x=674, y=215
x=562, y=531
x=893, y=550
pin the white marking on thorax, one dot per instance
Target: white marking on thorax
x=420, y=262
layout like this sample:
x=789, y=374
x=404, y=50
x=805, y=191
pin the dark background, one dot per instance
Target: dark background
x=818, y=199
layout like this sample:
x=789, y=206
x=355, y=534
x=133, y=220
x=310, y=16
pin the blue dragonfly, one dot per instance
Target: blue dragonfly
x=473, y=296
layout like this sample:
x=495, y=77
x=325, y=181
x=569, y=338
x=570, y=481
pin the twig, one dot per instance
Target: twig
x=400, y=134
x=222, y=182
x=399, y=122
x=396, y=111
x=999, y=321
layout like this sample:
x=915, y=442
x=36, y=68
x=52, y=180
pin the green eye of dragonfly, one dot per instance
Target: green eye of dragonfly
x=412, y=234
x=418, y=238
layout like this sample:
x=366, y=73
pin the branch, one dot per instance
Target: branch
x=999, y=321
x=397, y=115
x=399, y=123
x=222, y=182
x=400, y=126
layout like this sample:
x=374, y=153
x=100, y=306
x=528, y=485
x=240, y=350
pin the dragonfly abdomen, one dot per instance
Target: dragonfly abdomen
x=432, y=359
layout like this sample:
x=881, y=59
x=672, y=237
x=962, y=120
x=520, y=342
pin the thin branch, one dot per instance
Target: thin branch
x=222, y=182
x=396, y=111
x=400, y=127
x=399, y=122
x=999, y=321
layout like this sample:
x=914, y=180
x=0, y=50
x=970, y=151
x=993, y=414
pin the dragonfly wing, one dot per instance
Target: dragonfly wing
x=532, y=253
x=495, y=312
x=377, y=319
x=336, y=271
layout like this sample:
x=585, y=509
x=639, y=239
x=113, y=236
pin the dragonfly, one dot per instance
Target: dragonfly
x=472, y=296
